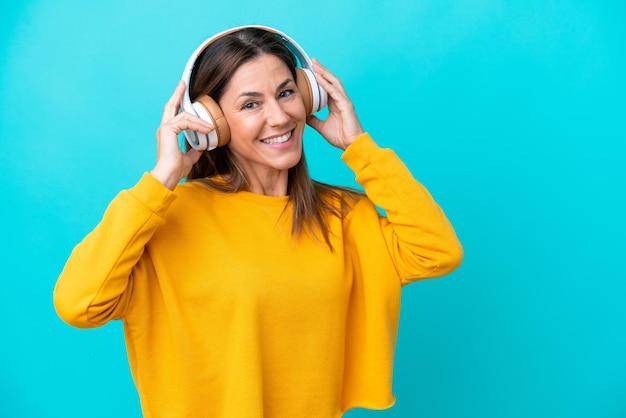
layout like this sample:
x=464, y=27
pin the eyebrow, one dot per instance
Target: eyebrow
x=257, y=94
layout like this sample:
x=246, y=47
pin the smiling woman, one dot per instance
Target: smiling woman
x=251, y=290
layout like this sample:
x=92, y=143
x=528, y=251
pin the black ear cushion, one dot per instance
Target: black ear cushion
x=304, y=86
x=219, y=120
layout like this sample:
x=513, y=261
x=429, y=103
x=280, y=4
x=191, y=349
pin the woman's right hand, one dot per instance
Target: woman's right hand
x=172, y=163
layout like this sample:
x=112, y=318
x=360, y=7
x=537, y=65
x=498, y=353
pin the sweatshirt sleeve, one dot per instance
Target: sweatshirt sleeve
x=96, y=282
x=419, y=237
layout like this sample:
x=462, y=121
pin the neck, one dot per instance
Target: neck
x=271, y=183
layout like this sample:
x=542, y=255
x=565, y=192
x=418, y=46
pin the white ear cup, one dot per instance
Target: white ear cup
x=209, y=111
x=195, y=139
x=202, y=141
x=318, y=94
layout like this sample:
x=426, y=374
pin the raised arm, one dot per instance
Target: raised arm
x=418, y=235
x=96, y=283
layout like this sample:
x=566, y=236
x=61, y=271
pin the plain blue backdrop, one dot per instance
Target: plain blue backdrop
x=511, y=113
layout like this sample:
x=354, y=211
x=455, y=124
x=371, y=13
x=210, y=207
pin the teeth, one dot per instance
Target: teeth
x=278, y=140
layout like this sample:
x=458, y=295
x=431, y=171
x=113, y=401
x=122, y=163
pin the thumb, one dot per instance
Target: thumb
x=194, y=155
x=314, y=122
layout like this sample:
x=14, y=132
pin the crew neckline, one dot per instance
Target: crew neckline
x=245, y=194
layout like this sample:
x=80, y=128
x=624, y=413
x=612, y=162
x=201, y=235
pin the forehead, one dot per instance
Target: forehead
x=264, y=69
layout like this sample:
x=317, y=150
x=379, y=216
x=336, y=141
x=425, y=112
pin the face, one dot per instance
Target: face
x=266, y=116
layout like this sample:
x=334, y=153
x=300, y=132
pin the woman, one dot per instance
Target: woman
x=250, y=290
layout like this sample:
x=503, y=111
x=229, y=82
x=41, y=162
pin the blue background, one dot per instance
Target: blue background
x=511, y=113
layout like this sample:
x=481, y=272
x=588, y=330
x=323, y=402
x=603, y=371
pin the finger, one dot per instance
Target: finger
x=173, y=104
x=333, y=92
x=318, y=66
x=329, y=82
x=325, y=73
x=184, y=121
x=193, y=155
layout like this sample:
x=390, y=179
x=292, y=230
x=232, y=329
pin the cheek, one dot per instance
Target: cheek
x=298, y=112
x=243, y=127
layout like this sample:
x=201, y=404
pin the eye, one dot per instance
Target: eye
x=285, y=93
x=249, y=105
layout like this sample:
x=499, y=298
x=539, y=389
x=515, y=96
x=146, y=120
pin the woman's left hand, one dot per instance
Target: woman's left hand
x=342, y=125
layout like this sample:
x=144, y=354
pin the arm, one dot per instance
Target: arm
x=96, y=283
x=419, y=237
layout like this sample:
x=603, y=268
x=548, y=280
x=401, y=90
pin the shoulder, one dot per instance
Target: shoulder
x=338, y=196
x=201, y=187
x=194, y=197
x=191, y=187
x=346, y=202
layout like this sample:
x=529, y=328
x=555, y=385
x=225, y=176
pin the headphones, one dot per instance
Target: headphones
x=313, y=95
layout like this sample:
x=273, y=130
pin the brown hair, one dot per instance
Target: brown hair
x=312, y=201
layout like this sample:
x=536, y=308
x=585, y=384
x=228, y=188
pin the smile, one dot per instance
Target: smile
x=278, y=139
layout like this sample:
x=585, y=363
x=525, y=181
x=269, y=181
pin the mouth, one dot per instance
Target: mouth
x=277, y=139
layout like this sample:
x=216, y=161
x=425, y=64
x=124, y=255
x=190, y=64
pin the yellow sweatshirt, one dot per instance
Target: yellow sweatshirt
x=226, y=315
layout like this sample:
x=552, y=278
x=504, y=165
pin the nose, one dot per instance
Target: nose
x=275, y=114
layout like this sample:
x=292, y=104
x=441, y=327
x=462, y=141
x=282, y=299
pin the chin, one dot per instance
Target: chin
x=289, y=163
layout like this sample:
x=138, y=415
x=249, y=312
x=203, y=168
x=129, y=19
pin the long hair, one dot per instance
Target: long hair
x=312, y=201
